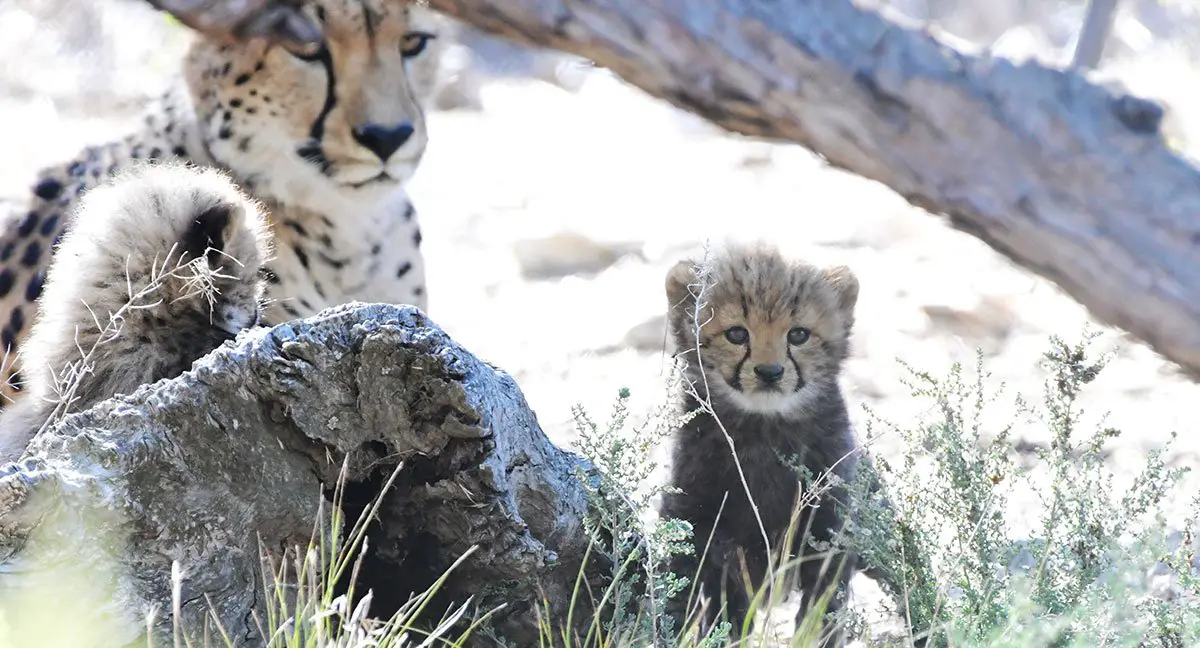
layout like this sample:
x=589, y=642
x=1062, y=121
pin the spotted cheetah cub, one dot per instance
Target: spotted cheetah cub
x=764, y=340
x=161, y=267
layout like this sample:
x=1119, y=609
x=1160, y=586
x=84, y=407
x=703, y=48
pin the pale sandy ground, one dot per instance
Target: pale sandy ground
x=617, y=174
x=625, y=170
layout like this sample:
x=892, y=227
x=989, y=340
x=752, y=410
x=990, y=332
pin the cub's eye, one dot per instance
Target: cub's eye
x=798, y=336
x=414, y=43
x=307, y=52
x=737, y=335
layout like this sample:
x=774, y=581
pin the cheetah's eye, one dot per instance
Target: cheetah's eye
x=414, y=43
x=307, y=52
x=798, y=336
x=737, y=335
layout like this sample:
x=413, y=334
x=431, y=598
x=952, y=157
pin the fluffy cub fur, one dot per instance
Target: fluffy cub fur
x=160, y=267
x=764, y=347
x=326, y=136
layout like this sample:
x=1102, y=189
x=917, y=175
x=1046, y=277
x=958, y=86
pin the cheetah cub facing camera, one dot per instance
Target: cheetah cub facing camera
x=764, y=348
x=161, y=267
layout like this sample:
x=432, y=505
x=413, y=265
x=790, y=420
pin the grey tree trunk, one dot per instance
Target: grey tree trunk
x=1097, y=26
x=1056, y=173
x=243, y=446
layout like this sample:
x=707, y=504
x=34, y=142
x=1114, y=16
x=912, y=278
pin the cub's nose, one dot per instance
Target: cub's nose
x=769, y=373
x=382, y=140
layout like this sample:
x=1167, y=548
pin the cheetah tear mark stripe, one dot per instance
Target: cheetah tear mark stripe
x=316, y=133
x=368, y=21
x=737, y=370
x=796, y=366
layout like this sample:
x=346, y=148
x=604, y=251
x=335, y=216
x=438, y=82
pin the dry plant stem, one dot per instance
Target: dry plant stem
x=943, y=594
x=199, y=280
x=1050, y=170
x=703, y=284
x=707, y=545
x=5, y=363
x=176, y=604
x=1097, y=26
x=804, y=496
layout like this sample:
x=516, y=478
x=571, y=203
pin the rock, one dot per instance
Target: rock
x=198, y=468
x=472, y=58
x=1026, y=43
x=990, y=322
x=650, y=335
x=568, y=253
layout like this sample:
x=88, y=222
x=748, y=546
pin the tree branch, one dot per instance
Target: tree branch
x=1097, y=26
x=1052, y=171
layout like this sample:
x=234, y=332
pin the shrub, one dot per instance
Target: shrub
x=940, y=531
x=934, y=526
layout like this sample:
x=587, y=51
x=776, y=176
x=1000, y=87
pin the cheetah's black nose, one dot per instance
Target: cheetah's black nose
x=769, y=373
x=383, y=140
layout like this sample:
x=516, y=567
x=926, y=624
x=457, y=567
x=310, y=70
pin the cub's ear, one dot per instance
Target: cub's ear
x=679, y=279
x=207, y=233
x=845, y=286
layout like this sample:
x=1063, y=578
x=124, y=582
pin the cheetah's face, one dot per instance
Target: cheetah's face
x=343, y=115
x=194, y=235
x=768, y=343
x=218, y=283
x=762, y=363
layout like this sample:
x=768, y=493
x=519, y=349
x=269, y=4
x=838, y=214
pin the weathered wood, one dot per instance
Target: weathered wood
x=1093, y=36
x=1056, y=173
x=234, y=19
x=242, y=447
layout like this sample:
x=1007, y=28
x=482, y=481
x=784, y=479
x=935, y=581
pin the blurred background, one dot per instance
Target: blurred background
x=554, y=197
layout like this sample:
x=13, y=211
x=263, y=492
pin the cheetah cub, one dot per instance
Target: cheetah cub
x=161, y=267
x=764, y=348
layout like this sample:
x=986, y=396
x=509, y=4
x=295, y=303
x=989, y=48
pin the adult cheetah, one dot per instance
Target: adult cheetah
x=323, y=133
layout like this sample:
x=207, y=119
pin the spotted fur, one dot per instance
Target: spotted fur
x=161, y=267
x=303, y=132
x=763, y=339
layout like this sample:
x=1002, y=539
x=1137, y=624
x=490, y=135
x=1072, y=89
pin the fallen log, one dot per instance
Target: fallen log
x=1059, y=174
x=200, y=468
x=1062, y=176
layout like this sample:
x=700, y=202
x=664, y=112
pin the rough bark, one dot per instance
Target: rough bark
x=1056, y=173
x=242, y=447
x=230, y=20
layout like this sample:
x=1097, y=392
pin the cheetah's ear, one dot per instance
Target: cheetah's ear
x=207, y=232
x=845, y=285
x=679, y=279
